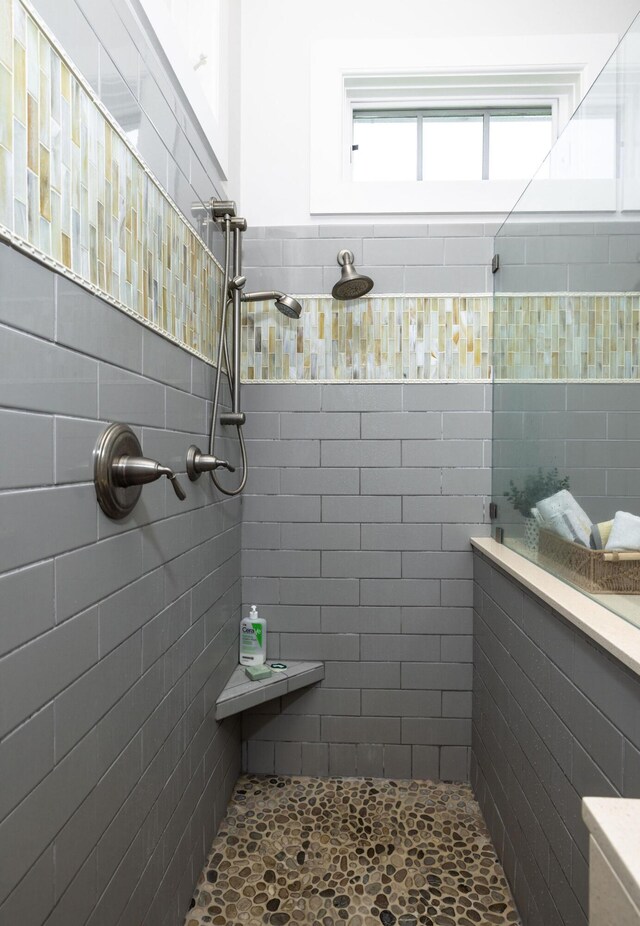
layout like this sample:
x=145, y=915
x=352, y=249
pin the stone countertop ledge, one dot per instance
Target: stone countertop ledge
x=614, y=823
x=612, y=632
x=241, y=693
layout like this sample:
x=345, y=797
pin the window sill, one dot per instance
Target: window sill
x=469, y=196
x=415, y=196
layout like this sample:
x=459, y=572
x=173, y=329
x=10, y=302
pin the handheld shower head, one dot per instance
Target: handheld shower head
x=285, y=304
x=288, y=306
x=351, y=285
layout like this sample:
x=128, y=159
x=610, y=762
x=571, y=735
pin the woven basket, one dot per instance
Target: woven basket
x=603, y=571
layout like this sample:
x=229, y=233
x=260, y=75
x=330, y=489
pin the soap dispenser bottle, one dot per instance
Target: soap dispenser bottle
x=253, y=639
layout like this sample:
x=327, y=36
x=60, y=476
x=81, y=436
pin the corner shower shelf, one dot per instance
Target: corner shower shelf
x=240, y=693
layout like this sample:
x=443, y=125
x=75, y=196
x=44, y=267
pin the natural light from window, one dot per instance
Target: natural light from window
x=436, y=145
x=388, y=149
x=452, y=148
x=517, y=145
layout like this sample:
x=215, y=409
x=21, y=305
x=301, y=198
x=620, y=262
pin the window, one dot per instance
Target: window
x=454, y=144
x=445, y=76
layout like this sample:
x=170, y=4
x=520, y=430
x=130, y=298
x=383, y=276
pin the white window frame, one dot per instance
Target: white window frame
x=342, y=78
x=422, y=114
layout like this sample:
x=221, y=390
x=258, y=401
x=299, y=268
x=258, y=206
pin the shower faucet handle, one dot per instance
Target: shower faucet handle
x=198, y=463
x=132, y=471
x=173, y=479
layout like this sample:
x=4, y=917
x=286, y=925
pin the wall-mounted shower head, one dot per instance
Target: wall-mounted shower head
x=285, y=304
x=351, y=285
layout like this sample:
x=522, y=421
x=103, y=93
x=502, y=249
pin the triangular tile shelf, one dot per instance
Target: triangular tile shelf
x=240, y=693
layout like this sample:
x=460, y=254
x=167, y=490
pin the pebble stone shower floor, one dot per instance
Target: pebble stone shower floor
x=355, y=851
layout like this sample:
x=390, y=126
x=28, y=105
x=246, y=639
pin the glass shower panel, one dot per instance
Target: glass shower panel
x=566, y=416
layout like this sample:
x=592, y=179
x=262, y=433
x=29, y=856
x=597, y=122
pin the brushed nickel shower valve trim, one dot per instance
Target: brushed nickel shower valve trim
x=199, y=463
x=120, y=471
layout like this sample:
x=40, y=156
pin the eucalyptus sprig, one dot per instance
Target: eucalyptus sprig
x=536, y=486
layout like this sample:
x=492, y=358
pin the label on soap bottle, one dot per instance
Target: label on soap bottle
x=252, y=641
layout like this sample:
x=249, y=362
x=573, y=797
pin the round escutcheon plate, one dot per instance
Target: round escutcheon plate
x=116, y=441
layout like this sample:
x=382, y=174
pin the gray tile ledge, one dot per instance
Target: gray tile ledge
x=613, y=633
x=240, y=693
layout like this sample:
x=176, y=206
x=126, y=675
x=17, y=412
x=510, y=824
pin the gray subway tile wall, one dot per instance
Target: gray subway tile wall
x=368, y=484
x=449, y=258
x=567, y=257
x=356, y=564
x=412, y=258
x=115, y=639
x=555, y=719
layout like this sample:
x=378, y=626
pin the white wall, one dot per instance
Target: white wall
x=278, y=37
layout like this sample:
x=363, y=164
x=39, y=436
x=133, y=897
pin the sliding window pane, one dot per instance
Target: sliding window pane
x=517, y=145
x=452, y=148
x=387, y=148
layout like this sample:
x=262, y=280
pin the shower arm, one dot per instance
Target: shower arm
x=261, y=297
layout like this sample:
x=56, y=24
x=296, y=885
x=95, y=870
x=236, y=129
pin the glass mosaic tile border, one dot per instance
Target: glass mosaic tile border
x=556, y=336
x=567, y=336
x=375, y=338
x=77, y=196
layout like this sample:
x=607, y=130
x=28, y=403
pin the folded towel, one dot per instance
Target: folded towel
x=600, y=534
x=535, y=514
x=567, y=526
x=565, y=516
x=625, y=532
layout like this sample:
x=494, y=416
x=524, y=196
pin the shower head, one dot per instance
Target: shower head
x=285, y=304
x=288, y=306
x=351, y=285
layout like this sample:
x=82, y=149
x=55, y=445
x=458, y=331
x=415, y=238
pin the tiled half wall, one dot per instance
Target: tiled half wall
x=555, y=719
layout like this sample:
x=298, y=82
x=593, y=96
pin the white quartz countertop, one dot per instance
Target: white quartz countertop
x=612, y=632
x=614, y=823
